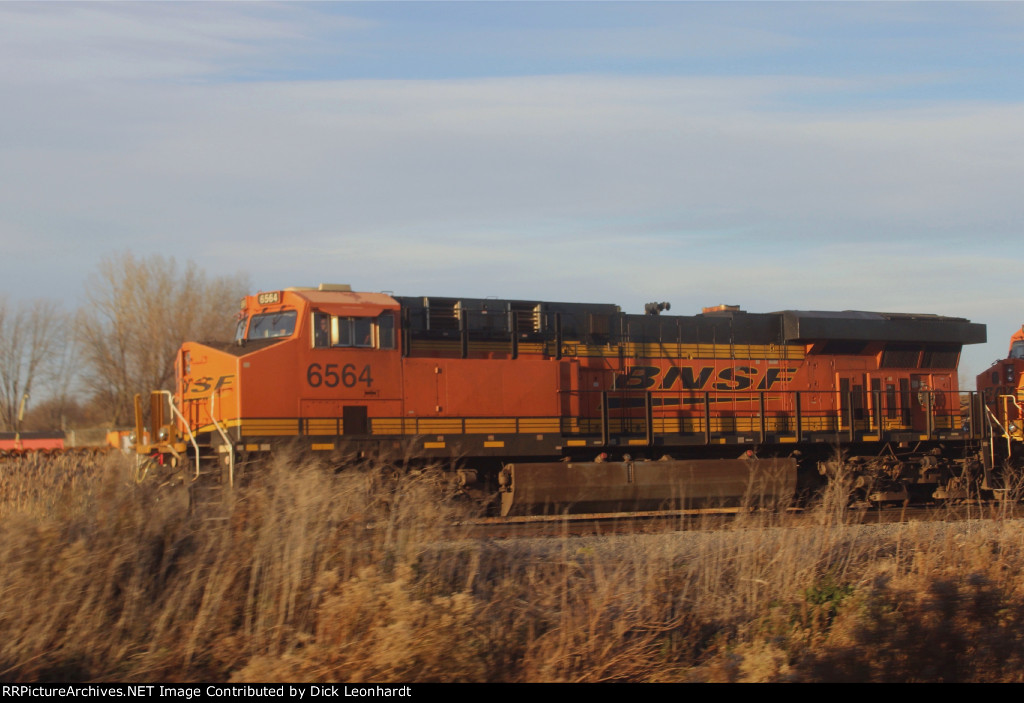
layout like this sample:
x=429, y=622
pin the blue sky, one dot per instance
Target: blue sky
x=809, y=155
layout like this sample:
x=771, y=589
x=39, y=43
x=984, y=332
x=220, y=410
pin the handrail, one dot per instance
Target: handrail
x=184, y=422
x=227, y=441
x=993, y=418
x=624, y=411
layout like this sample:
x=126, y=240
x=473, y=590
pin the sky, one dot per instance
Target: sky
x=772, y=155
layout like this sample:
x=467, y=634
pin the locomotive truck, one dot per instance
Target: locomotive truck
x=583, y=406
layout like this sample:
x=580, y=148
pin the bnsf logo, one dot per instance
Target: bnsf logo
x=993, y=394
x=204, y=385
x=733, y=378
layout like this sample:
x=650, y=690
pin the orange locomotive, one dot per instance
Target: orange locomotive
x=582, y=404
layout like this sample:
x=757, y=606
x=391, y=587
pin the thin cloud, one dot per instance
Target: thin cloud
x=65, y=43
x=697, y=154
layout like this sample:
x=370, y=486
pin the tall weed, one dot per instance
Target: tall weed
x=305, y=573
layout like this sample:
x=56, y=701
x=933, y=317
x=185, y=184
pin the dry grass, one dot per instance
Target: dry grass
x=104, y=579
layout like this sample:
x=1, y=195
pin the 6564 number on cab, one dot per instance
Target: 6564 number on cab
x=331, y=375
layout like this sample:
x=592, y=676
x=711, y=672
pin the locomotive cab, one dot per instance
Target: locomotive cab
x=332, y=357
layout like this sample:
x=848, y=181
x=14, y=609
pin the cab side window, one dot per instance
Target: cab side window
x=321, y=330
x=344, y=332
x=362, y=332
x=386, y=330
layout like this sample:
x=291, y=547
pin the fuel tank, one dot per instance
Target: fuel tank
x=582, y=487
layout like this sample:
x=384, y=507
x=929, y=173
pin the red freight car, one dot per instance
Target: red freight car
x=16, y=444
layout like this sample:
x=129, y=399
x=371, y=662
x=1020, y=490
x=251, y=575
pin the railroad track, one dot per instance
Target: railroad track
x=611, y=524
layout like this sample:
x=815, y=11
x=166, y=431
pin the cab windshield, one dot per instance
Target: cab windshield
x=272, y=324
x=1017, y=350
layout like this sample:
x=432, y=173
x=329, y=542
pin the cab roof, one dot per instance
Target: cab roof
x=327, y=298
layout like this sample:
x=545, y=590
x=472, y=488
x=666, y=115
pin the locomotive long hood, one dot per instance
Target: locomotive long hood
x=807, y=326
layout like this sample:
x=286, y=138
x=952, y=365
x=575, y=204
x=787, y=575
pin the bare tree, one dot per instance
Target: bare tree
x=55, y=398
x=138, y=313
x=32, y=336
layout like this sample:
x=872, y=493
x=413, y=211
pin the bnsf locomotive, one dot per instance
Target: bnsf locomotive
x=583, y=405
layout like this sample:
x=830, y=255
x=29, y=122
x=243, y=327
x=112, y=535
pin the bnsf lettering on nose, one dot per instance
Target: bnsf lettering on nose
x=690, y=378
x=205, y=384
